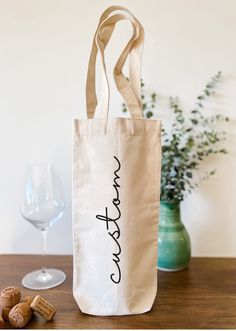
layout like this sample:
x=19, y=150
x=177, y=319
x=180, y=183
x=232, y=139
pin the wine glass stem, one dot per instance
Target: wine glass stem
x=44, y=248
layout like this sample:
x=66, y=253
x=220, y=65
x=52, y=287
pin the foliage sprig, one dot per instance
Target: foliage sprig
x=186, y=142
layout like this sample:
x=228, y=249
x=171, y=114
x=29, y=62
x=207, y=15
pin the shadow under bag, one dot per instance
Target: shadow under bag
x=116, y=187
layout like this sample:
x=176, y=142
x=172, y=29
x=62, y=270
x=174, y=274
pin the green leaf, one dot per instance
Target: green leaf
x=189, y=174
x=149, y=114
x=194, y=121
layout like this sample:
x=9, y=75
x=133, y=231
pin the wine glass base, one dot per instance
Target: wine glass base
x=43, y=280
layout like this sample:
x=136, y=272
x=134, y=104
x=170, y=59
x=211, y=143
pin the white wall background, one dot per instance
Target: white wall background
x=44, y=49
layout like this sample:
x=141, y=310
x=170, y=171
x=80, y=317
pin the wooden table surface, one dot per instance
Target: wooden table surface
x=203, y=296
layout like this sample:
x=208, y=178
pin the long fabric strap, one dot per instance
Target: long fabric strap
x=122, y=83
x=129, y=89
x=125, y=87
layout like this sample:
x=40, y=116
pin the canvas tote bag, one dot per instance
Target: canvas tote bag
x=116, y=175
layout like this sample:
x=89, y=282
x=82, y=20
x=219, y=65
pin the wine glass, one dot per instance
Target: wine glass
x=42, y=204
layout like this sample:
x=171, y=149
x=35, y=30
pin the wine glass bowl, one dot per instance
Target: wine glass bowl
x=42, y=204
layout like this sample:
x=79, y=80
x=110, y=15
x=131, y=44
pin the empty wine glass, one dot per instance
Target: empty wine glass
x=42, y=204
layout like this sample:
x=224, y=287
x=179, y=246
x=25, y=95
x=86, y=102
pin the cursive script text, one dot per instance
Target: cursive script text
x=112, y=225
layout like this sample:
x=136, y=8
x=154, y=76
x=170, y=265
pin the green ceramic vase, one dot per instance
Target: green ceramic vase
x=174, y=248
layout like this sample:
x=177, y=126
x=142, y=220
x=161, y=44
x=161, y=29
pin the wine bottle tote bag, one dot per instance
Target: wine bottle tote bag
x=116, y=173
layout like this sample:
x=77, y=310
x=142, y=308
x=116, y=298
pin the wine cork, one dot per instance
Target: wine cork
x=10, y=296
x=43, y=308
x=21, y=314
x=5, y=313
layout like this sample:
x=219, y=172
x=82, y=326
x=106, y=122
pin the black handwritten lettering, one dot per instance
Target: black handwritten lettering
x=112, y=226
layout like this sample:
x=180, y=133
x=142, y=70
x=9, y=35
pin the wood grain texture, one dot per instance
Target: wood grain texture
x=203, y=296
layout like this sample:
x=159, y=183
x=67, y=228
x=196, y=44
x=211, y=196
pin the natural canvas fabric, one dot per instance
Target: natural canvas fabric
x=116, y=174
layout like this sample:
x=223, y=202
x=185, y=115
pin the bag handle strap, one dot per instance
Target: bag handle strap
x=124, y=86
x=129, y=89
x=122, y=83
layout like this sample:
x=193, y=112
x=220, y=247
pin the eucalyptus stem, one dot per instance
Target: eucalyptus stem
x=193, y=136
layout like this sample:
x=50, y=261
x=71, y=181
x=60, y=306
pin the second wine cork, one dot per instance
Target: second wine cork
x=43, y=308
x=21, y=314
